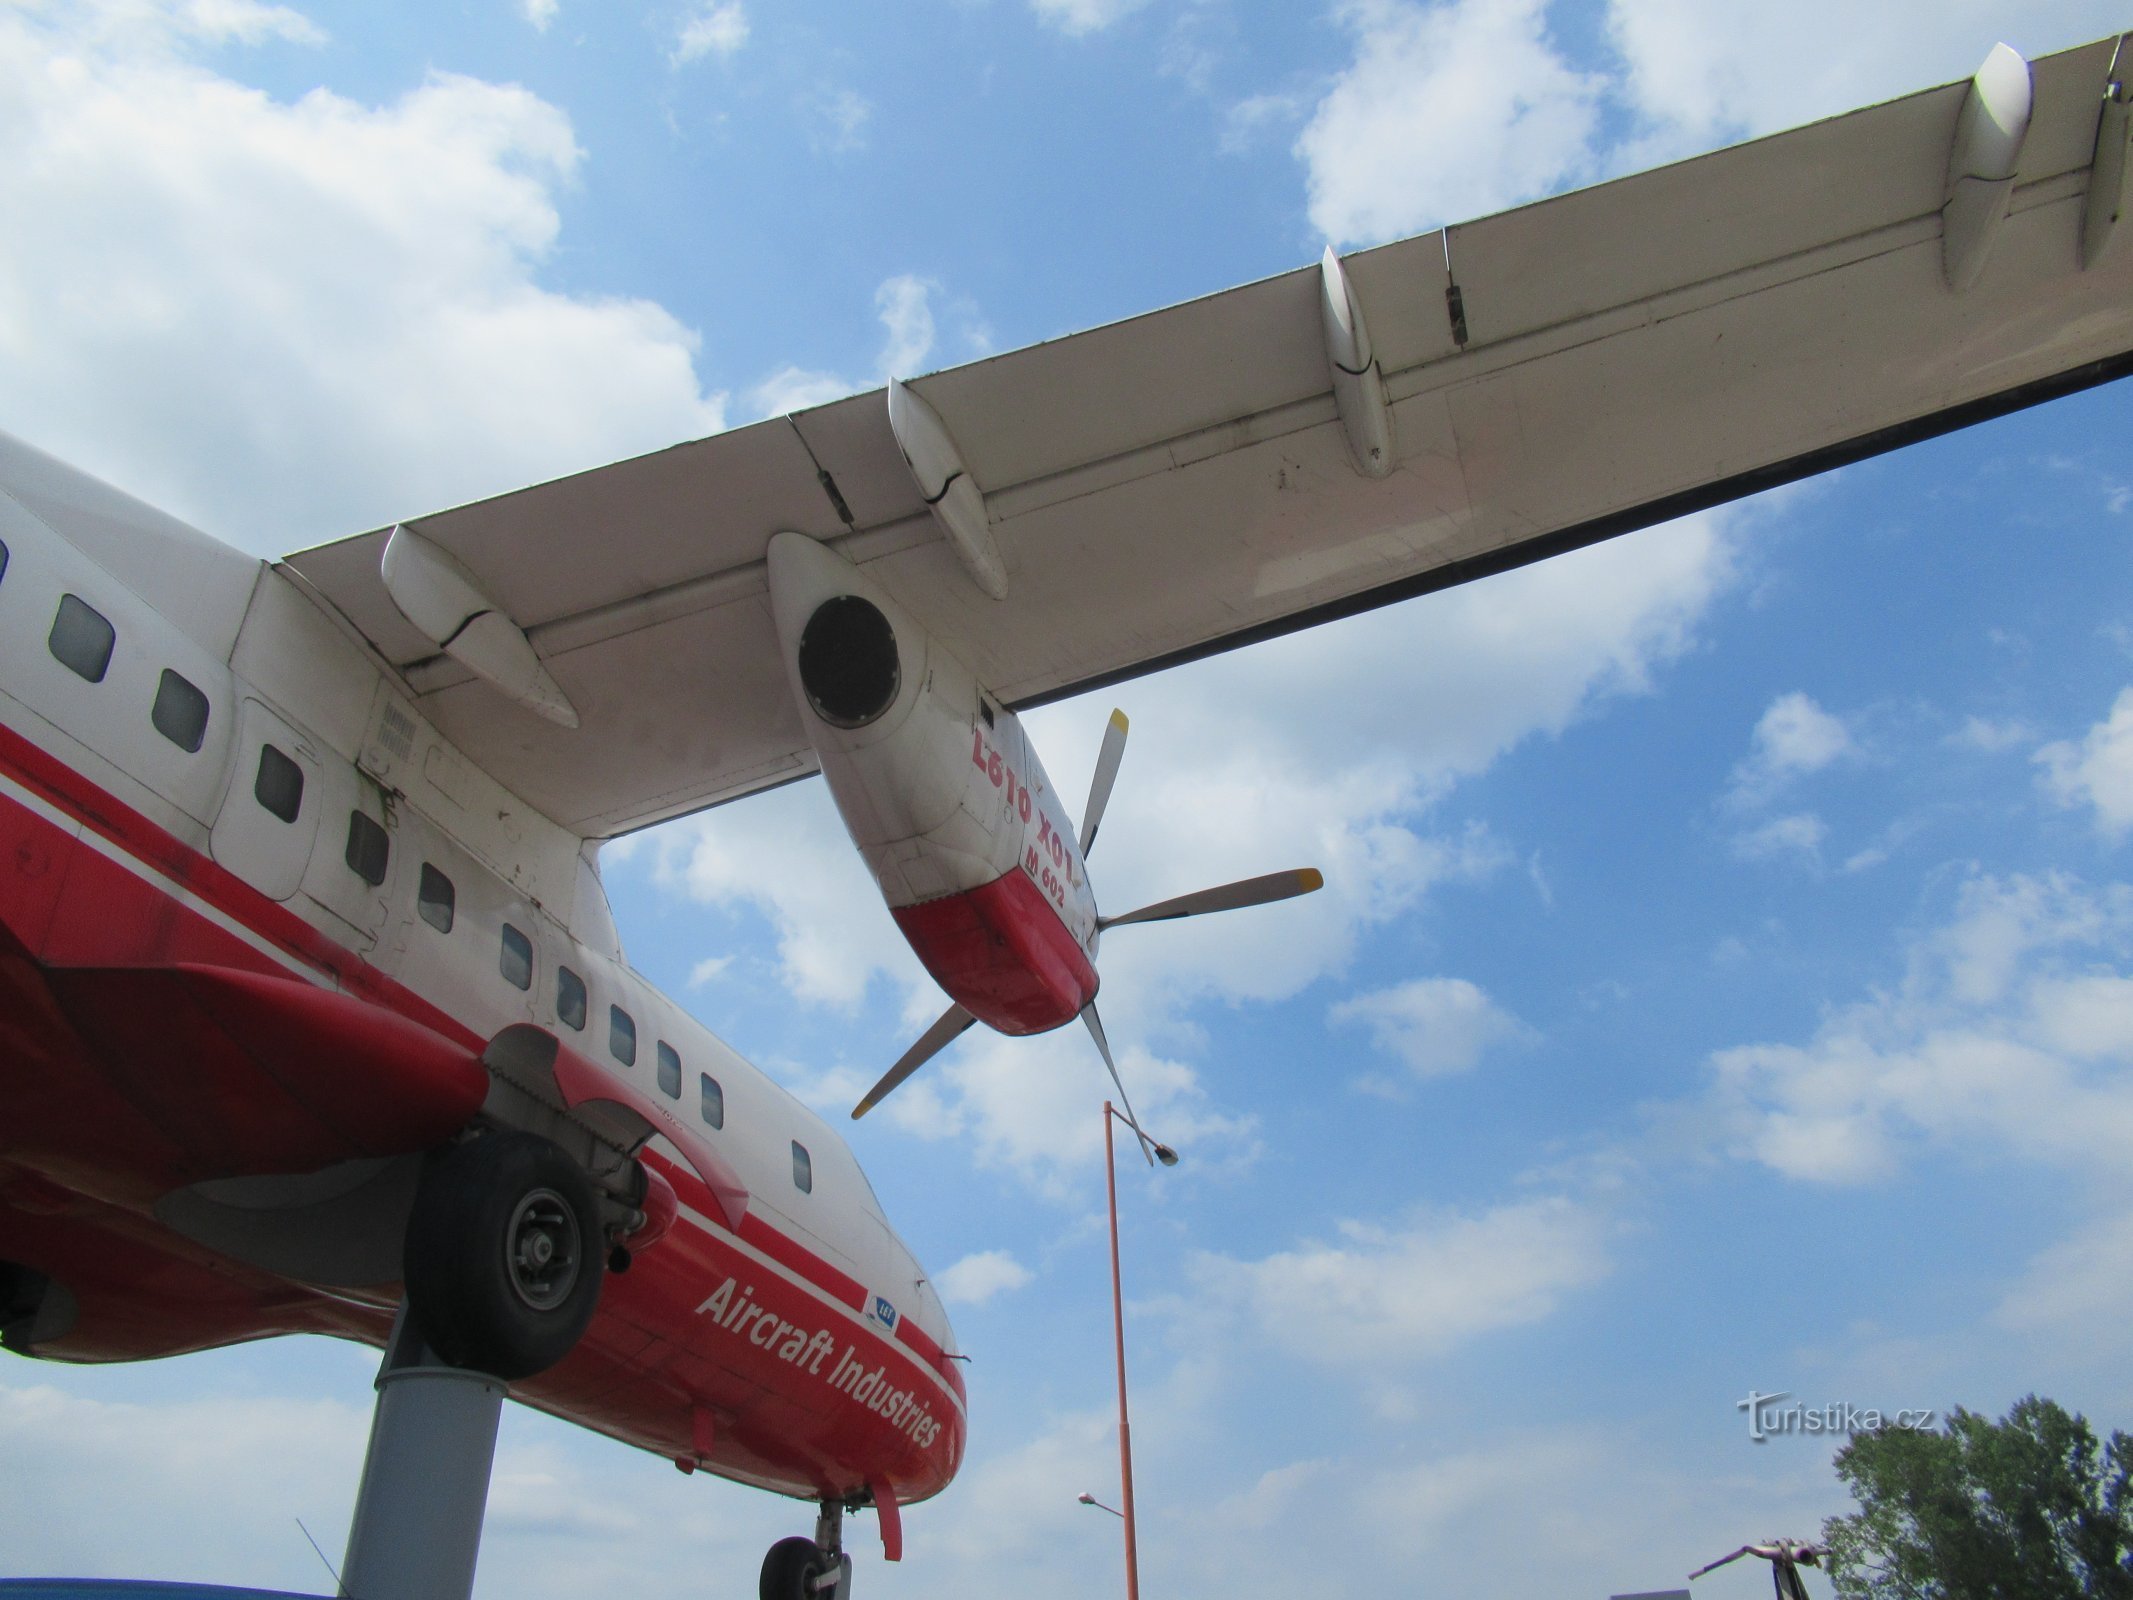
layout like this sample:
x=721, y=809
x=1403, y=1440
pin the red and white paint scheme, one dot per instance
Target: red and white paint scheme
x=949, y=806
x=941, y=792
x=313, y=1017
x=268, y=942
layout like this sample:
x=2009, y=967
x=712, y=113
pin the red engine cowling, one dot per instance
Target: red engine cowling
x=942, y=794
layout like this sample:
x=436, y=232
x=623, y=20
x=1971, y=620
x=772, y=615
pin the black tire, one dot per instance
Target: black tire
x=791, y=1568
x=503, y=1257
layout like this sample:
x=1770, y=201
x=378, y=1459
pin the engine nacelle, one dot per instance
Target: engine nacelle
x=941, y=792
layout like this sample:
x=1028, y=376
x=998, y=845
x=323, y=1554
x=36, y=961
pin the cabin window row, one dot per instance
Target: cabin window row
x=83, y=640
x=436, y=901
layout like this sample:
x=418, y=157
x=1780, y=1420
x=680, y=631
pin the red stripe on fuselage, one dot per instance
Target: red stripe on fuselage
x=1002, y=954
x=155, y=846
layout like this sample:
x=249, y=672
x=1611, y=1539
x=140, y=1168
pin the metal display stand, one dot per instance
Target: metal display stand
x=416, y=1533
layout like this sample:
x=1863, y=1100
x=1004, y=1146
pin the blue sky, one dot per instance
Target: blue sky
x=1723, y=978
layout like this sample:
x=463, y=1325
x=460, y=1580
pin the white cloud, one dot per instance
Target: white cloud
x=793, y=388
x=1988, y=1043
x=1793, y=737
x=2099, y=770
x=1982, y=733
x=1394, y=1297
x=788, y=856
x=841, y=117
x=223, y=1462
x=910, y=335
x=1796, y=735
x=147, y=27
x=247, y=22
x=977, y=1278
x=1706, y=73
x=1447, y=112
x=1031, y=1107
x=371, y=270
x=1246, y=122
x=1437, y=1026
x=1459, y=108
x=1077, y=17
x=1242, y=764
x=907, y=313
x=1801, y=833
x=538, y=12
x=715, y=27
x=2081, y=1283
x=707, y=969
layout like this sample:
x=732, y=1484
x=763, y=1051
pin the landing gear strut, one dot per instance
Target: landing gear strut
x=503, y=1267
x=417, y=1528
x=810, y=1569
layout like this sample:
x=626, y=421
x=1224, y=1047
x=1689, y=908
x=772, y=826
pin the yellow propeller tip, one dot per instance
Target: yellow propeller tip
x=1118, y=719
x=1308, y=879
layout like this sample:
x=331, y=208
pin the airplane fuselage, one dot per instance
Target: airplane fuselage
x=266, y=938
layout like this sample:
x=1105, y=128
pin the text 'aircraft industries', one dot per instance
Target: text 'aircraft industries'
x=315, y=1018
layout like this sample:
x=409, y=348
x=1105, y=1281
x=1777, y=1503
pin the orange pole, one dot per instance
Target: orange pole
x=1118, y=1334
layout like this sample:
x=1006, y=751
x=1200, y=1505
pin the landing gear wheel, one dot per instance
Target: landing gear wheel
x=503, y=1254
x=791, y=1568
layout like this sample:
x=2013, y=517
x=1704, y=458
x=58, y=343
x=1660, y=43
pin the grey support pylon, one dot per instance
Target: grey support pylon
x=416, y=1533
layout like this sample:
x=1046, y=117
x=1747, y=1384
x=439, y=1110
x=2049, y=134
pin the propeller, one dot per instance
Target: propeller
x=1107, y=759
x=1259, y=891
x=1229, y=897
x=1149, y=1147
x=948, y=1027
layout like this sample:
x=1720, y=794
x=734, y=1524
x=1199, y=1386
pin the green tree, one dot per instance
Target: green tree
x=2027, y=1508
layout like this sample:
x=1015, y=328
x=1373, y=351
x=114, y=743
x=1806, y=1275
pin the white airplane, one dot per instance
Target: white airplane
x=316, y=1018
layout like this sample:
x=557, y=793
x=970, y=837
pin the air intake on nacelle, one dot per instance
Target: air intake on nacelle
x=848, y=662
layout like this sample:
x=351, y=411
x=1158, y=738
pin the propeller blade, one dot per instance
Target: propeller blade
x=1100, y=785
x=1103, y=1048
x=949, y=1028
x=1229, y=897
x=1744, y=1550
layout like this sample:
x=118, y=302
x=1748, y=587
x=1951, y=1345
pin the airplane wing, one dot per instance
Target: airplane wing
x=1183, y=482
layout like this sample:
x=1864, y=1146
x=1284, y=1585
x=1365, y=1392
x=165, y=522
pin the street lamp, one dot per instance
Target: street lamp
x=1169, y=1158
x=1089, y=1499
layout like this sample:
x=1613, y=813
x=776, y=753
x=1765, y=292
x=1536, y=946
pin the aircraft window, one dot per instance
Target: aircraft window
x=435, y=899
x=81, y=639
x=803, y=1169
x=669, y=1069
x=714, y=1099
x=621, y=1036
x=570, y=999
x=368, y=849
x=3, y=558
x=515, y=959
x=180, y=712
x=279, y=784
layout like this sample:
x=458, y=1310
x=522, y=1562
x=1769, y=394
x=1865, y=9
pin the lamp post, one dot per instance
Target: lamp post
x=1169, y=1158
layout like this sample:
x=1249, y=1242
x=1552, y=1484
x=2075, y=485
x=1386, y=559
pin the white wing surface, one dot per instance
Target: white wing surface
x=1185, y=481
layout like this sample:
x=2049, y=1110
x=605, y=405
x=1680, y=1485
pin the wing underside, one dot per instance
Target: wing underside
x=1182, y=482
